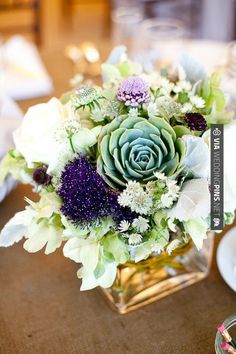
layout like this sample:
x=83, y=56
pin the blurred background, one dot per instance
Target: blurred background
x=44, y=43
x=53, y=22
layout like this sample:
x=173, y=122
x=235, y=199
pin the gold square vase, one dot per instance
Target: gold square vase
x=139, y=284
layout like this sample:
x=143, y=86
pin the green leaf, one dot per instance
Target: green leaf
x=112, y=244
x=180, y=130
x=108, y=257
x=14, y=165
x=197, y=229
x=217, y=117
x=65, y=98
x=183, y=97
x=99, y=270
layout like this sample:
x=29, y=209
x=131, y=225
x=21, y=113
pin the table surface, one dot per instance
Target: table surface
x=42, y=310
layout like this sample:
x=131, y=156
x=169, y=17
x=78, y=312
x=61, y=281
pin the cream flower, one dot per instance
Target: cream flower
x=197, y=156
x=124, y=226
x=197, y=101
x=141, y=224
x=136, y=198
x=86, y=251
x=160, y=175
x=193, y=202
x=187, y=107
x=35, y=138
x=135, y=239
x=166, y=200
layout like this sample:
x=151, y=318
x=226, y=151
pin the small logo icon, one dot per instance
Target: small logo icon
x=216, y=132
x=216, y=222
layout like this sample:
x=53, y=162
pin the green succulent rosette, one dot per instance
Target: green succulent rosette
x=133, y=148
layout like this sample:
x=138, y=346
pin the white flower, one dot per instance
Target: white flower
x=187, y=107
x=124, y=226
x=152, y=109
x=160, y=175
x=124, y=199
x=173, y=245
x=36, y=225
x=89, y=281
x=16, y=228
x=135, y=239
x=197, y=156
x=133, y=187
x=190, y=69
x=173, y=188
x=171, y=225
x=133, y=112
x=85, y=138
x=48, y=204
x=182, y=86
x=87, y=252
x=141, y=224
x=40, y=234
x=141, y=203
x=136, y=198
x=166, y=200
x=193, y=202
x=197, y=101
x=197, y=229
x=166, y=86
x=35, y=138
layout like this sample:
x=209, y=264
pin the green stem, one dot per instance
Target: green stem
x=71, y=144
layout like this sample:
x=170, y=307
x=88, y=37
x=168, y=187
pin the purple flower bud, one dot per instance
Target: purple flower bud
x=40, y=176
x=195, y=121
x=133, y=91
x=86, y=197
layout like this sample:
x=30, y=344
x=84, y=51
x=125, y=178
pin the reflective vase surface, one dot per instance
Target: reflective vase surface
x=139, y=284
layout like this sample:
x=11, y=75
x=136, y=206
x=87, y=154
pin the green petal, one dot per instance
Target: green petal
x=131, y=172
x=161, y=124
x=130, y=135
x=151, y=162
x=101, y=171
x=147, y=128
x=169, y=142
x=181, y=149
x=171, y=165
x=158, y=141
x=180, y=130
x=134, y=163
x=106, y=156
x=107, y=129
x=129, y=123
x=117, y=161
x=115, y=177
x=142, y=141
x=159, y=155
x=149, y=172
x=124, y=153
x=114, y=138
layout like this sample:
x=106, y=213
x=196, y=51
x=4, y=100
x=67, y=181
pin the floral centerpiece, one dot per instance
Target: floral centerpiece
x=121, y=169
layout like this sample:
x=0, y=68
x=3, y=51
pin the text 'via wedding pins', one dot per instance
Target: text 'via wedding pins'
x=217, y=177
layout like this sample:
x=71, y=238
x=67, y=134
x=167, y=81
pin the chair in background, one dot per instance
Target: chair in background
x=20, y=17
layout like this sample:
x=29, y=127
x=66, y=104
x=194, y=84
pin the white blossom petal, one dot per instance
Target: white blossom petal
x=193, y=202
x=16, y=228
x=197, y=156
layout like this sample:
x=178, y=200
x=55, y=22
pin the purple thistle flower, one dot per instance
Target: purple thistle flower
x=195, y=121
x=86, y=197
x=133, y=91
x=40, y=176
